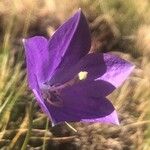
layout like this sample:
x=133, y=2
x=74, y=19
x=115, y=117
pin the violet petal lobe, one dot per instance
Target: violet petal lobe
x=38, y=59
x=93, y=63
x=117, y=70
x=111, y=118
x=80, y=105
x=38, y=94
x=93, y=88
x=100, y=66
x=70, y=43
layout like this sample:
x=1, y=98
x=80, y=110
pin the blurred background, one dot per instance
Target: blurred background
x=120, y=26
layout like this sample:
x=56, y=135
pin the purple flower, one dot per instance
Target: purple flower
x=69, y=83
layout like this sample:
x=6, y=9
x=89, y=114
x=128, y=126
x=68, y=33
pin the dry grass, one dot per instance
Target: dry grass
x=116, y=26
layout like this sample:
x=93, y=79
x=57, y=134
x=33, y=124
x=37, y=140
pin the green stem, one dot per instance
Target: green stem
x=44, y=141
x=24, y=146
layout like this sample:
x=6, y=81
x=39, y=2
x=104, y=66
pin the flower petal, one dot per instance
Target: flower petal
x=39, y=98
x=117, y=70
x=38, y=59
x=79, y=104
x=111, y=118
x=70, y=43
x=93, y=88
x=65, y=48
x=93, y=63
x=99, y=66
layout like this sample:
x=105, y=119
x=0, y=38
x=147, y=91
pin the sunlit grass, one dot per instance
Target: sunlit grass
x=129, y=22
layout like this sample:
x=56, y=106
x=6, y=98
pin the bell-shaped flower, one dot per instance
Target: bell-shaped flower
x=69, y=83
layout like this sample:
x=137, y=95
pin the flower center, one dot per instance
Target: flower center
x=52, y=97
x=51, y=94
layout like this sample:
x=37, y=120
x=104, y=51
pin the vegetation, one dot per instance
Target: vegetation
x=122, y=27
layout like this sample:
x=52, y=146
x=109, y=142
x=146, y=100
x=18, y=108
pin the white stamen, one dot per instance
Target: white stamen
x=82, y=75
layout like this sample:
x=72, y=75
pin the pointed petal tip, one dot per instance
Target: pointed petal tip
x=34, y=38
x=116, y=122
x=118, y=69
x=132, y=66
x=115, y=119
x=110, y=119
x=55, y=123
x=80, y=11
x=23, y=41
